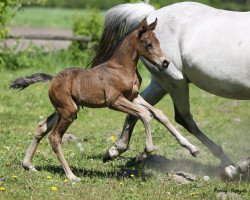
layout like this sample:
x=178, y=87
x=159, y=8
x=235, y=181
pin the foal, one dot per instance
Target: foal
x=113, y=84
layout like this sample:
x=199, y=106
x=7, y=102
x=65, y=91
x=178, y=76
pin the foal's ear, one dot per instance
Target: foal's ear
x=152, y=26
x=143, y=28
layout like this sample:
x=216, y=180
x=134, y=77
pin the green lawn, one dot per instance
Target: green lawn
x=48, y=17
x=225, y=121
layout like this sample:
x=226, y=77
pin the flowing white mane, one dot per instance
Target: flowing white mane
x=119, y=21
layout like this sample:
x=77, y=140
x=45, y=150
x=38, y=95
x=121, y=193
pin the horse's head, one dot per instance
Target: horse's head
x=148, y=45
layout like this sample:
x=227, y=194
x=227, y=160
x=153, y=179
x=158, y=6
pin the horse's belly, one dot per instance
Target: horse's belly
x=219, y=83
x=216, y=58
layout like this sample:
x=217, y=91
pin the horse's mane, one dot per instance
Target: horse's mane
x=119, y=22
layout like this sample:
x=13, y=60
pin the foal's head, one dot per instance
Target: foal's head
x=148, y=45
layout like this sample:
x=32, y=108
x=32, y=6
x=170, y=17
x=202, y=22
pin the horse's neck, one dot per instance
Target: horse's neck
x=126, y=55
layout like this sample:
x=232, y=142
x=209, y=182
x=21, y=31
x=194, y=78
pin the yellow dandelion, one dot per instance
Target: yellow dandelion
x=15, y=177
x=2, y=189
x=54, y=188
x=66, y=181
x=192, y=193
x=49, y=177
x=113, y=138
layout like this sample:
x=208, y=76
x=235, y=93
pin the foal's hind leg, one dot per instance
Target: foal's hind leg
x=43, y=129
x=66, y=116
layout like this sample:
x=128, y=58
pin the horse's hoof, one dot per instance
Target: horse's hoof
x=228, y=173
x=243, y=165
x=111, y=154
x=106, y=157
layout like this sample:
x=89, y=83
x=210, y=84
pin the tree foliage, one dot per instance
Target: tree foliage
x=8, y=8
x=106, y=4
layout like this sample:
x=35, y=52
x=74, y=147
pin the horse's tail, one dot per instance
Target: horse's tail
x=23, y=82
x=119, y=21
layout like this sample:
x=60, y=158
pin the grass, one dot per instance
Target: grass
x=225, y=121
x=47, y=17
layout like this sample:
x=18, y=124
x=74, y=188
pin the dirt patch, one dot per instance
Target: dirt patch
x=182, y=177
x=70, y=138
x=227, y=196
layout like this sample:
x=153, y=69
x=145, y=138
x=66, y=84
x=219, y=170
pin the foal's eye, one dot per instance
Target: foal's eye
x=149, y=45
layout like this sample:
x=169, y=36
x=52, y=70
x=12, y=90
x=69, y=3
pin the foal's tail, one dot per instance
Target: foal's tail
x=23, y=82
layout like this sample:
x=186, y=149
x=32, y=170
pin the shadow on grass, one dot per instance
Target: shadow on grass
x=140, y=170
x=119, y=173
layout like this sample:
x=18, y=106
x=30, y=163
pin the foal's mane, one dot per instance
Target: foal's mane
x=119, y=22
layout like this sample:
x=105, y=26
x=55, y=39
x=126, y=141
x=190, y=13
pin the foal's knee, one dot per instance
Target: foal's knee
x=146, y=117
x=41, y=129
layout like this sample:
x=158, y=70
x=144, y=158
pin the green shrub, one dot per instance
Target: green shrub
x=7, y=12
x=89, y=26
x=8, y=57
x=12, y=59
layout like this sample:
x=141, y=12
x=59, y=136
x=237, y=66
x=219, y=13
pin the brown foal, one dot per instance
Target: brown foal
x=114, y=84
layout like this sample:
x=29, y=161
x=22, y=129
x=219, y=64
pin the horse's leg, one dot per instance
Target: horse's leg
x=66, y=116
x=183, y=116
x=160, y=117
x=243, y=165
x=152, y=94
x=44, y=127
x=124, y=105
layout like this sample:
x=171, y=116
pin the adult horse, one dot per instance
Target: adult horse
x=206, y=46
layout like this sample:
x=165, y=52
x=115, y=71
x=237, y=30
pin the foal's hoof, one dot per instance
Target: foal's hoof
x=142, y=157
x=29, y=167
x=73, y=179
x=195, y=152
x=111, y=154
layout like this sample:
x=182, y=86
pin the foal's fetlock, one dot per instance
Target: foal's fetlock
x=194, y=151
x=73, y=178
x=111, y=154
x=142, y=157
x=28, y=166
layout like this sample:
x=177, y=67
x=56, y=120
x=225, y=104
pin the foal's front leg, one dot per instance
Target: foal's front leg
x=124, y=105
x=152, y=94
